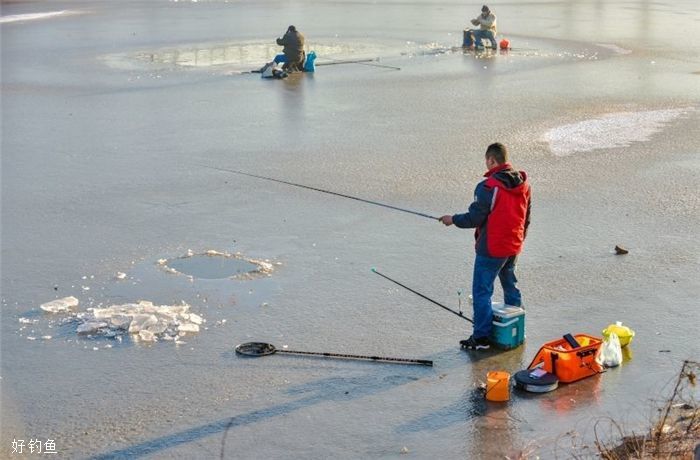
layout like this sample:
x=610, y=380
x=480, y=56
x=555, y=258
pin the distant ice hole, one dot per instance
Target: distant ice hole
x=216, y=265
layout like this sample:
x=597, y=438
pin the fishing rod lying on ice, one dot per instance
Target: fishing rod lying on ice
x=376, y=203
x=458, y=313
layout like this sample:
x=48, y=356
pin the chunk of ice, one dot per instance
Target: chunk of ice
x=147, y=336
x=146, y=321
x=196, y=319
x=60, y=305
x=120, y=321
x=158, y=328
x=91, y=327
x=188, y=327
x=142, y=321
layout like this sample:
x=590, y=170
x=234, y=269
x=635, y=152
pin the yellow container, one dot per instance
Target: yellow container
x=498, y=386
x=624, y=333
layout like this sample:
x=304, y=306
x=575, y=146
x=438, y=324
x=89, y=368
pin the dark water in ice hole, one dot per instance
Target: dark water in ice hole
x=212, y=267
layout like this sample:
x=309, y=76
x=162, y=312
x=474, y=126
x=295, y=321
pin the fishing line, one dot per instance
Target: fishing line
x=458, y=313
x=322, y=191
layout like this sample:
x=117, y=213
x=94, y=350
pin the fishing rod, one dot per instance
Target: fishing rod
x=322, y=191
x=337, y=61
x=264, y=349
x=359, y=61
x=458, y=313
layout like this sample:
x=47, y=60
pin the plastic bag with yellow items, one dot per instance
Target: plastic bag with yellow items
x=624, y=333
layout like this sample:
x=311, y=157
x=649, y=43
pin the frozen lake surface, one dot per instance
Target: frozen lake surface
x=113, y=114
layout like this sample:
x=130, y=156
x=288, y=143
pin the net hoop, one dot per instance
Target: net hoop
x=255, y=349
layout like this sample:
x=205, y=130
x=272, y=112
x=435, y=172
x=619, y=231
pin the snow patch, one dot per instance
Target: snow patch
x=614, y=48
x=30, y=16
x=613, y=130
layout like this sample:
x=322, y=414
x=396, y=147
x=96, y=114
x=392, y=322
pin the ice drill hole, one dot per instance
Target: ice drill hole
x=212, y=266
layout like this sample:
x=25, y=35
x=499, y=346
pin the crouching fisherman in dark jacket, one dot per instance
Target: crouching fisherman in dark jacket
x=500, y=214
x=293, y=42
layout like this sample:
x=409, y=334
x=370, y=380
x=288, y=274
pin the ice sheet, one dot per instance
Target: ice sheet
x=100, y=175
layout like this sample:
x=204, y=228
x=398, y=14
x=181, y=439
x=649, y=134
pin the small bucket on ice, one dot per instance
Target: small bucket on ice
x=498, y=386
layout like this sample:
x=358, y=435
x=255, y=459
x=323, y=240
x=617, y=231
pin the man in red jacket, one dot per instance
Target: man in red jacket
x=500, y=215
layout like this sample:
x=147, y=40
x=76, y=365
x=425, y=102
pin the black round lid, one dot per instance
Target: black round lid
x=523, y=377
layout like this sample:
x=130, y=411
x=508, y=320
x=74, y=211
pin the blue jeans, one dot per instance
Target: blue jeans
x=486, y=269
x=477, y=35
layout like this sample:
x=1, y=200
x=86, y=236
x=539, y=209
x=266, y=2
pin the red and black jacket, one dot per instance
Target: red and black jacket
x=500, y=212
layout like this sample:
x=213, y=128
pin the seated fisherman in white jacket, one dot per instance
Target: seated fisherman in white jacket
x=487, y=29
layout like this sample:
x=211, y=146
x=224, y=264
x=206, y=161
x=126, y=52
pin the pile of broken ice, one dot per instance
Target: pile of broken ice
x=143, y=320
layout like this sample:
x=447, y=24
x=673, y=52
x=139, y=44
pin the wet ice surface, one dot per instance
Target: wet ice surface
x=116, y=153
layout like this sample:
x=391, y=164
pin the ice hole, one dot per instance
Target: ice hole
x=217, y=266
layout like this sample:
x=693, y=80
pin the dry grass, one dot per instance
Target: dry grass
x=673, y=436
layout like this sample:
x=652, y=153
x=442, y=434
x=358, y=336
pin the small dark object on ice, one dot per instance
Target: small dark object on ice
x=619, y=250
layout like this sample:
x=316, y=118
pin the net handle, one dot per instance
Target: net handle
x=423, y=362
